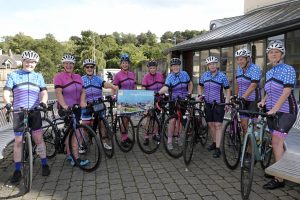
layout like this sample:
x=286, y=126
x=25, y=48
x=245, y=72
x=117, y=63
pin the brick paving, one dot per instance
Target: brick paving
x=136, y=175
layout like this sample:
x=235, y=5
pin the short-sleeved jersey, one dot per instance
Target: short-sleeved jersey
x=71, y=85
x=125, y=80
x=26, y=88
x=244, y=80
x=279, y=77
x=93, y=87
x=153, y=81
x=213, y=86
x=178, y=84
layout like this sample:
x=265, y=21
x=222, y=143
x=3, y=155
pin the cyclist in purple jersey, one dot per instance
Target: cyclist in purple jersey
x=69, y=91
x=212, y=83
x=152, y=80
x=125, y=80
x=280, y=99
x=179, y=84
x=93, y=87
x=248, y=76
x=29, y=91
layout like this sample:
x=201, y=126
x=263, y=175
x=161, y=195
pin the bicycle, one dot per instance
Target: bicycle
x=98, y=121
x=85, y=138
x=257, y=146
x=120, y=123
x=150, y=125
x=28, y=146
x=196, y=129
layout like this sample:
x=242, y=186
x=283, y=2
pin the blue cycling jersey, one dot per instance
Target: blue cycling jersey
x=279, y=77
x=26, y=88
x=178, y=84
x=244, y=80
x=213, y=86
x=93, y=87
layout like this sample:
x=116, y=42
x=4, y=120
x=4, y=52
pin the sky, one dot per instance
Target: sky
x=65, y=18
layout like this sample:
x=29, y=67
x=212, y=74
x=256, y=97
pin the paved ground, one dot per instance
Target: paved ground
x=135, y=175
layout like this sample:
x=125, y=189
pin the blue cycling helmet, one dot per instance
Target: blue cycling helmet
x=124, y=57
x=175, y=61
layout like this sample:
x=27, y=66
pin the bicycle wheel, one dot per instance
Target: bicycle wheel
x=189, y=142
x=86, y=140
x=266, y=149
x=123, y=126
x=247, y=168
x=27, y=161
x=148, y=134
x=175, y=147
x=49, y=137
x=231, y=146
x=106, y=138
x=202, y=128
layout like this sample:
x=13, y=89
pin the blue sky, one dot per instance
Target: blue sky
x=66, y=18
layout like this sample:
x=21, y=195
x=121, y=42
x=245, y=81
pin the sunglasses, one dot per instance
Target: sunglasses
x=89, y=67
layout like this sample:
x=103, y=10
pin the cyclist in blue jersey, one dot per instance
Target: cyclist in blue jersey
x=211, y=84
x=93, y=88
x=179, y=85
x=248, y=76
x=280, y=99
x=29, y=91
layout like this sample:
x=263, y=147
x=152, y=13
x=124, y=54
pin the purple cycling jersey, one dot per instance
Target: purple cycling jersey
x=245, y=78
x=93, y=87
x=213, y=86
x=178, y=84
x=71, y=85
x=153, y=81
x=125, y=80
x=278, y=78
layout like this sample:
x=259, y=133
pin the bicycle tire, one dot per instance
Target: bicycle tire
x=247, y=168
x=231, y=145
x=118, y=133
x=91, y=145
x=27, y=161
x=49, y=137
x=148, y=124
x=189, y=143
x=108, y=139
x=266, y=149
x=202, y=128
x=178, y=150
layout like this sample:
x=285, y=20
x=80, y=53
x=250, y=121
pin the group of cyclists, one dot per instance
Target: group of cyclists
x=29, y=91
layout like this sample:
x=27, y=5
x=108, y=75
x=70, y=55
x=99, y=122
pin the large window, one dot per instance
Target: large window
x=196, y=70
x=226, y=63
x=204, y=55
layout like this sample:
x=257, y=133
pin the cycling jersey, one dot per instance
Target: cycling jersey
x=279, y=77
x=213, y=86
x=26, y=88
x=125, y=80
x=71, y=85
x=244, y=80
x=93, y=87
x=178, y=84
x=153, y=81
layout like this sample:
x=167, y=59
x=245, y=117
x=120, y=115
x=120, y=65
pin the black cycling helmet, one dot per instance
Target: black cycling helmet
x=152, y=63
x=124, y=57
x=175, y=61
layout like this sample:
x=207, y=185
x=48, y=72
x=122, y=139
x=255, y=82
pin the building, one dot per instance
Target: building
x=8, y=63
x=263, y=20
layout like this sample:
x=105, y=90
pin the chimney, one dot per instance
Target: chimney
x=10, y=53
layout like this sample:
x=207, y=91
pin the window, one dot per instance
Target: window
x=204, y=55
x=196, y=70
x=226, y=63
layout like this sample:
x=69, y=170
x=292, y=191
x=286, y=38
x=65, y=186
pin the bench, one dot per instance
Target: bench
x=288, y=167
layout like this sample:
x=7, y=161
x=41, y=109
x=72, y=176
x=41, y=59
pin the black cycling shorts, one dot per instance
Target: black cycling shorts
x=215, y=114
x=251, y=106
x=34, y=121
x=284, y=122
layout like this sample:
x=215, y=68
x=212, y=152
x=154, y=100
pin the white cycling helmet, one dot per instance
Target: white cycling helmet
x=243, y=52
x=276, y=45
x=68, y=58
x=89, y=62
x=211, y=59
x=30, y=55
